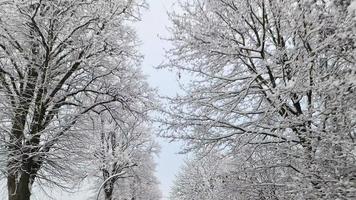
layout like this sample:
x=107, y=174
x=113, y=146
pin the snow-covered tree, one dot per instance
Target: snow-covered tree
x=123, y=159
x=60, y=62
x=272, y=82
x=204, y=178
x=141, y=182
x=216, y=176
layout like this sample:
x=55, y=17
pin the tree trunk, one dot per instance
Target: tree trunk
x=20, y=190
x=108, y=190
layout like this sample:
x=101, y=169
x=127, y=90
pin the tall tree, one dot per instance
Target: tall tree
x=60, y=61
x=270, y=77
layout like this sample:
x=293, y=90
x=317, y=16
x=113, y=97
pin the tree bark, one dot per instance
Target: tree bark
x=20, y=190
x=108, y=190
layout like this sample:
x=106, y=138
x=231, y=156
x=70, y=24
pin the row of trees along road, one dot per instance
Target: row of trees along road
x=269, y=110
x=73, y=102
x=271, y=93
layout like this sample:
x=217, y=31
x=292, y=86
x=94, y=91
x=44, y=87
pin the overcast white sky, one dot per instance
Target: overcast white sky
x=154, y=23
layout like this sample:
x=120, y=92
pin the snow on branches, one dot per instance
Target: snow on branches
x=61, y=64
x=271, y=78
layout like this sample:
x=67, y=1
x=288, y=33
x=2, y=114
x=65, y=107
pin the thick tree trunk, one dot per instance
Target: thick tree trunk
x=21, y=189
x=22, y=171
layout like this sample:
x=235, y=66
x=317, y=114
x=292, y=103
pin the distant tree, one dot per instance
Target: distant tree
x=142, y=182
x=124, y=159
x=203, y=178
x=215, y=176
x=272, y=82
x=60, y=62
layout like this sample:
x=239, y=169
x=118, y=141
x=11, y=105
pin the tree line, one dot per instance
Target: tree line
x=267, y=110
x=74, y=101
